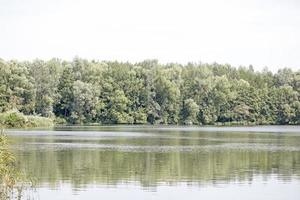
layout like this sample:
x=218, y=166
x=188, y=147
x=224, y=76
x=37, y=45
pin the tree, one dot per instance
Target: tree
x=285, y=97
x=65, y=97
x=83, y=91
x=117, y=109
x=46, y=78
x=84, y=104
x=190, y=112
x=16, y=90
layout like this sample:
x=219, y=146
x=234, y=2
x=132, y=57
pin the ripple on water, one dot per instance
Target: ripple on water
x=155, y=148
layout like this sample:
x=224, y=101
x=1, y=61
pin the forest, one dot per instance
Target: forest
x=109, y=92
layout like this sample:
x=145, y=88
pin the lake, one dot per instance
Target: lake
x=161, y=162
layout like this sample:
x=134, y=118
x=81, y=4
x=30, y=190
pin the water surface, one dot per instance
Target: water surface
x=145, y=162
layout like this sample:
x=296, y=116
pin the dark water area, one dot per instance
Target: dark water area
x=161, y=162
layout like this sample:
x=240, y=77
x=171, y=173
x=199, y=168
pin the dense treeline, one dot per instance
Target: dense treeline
x=85, y=91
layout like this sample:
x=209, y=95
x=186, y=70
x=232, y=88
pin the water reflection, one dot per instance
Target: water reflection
x=150, y=157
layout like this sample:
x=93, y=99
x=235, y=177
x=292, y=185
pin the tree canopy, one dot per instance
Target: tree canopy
x=82, y=91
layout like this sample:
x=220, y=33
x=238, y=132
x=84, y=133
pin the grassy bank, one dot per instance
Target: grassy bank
x=15, y=119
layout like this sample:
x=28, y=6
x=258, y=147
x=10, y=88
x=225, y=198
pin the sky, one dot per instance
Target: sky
x=238, y=32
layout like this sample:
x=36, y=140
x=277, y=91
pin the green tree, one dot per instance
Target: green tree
x=84, y=103
x=190, y=112
x=83, y=91
x=65, y=99
x=117, y=109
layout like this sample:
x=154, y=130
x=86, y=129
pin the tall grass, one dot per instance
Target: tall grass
x=13, y=183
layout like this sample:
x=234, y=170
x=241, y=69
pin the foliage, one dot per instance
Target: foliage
x=38, y=121
x=15, y=119
x=83, y=91
x=190, y=111
x=12, y=182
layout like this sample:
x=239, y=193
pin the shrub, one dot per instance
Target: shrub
x=60, y=120
x=15, y=119
x=37, y=121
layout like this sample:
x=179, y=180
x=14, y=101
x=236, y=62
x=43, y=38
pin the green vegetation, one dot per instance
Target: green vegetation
x=15, y=119
x=84, y=91
x=12, y=181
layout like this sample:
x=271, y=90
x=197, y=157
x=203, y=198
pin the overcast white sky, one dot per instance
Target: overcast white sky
x=238, y=32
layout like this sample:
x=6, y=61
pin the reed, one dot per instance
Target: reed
x=13, y=182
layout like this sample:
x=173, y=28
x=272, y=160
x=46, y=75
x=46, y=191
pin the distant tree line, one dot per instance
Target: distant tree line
x=83, y=91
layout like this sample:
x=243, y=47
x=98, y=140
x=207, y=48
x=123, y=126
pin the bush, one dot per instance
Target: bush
x=15, y=119
x=60, y=120
x=37, y=121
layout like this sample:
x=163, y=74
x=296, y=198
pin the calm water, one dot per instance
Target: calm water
x=144, y=162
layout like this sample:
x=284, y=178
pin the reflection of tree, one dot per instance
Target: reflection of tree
x=83, y=166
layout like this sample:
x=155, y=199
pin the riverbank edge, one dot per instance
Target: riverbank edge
x=16, y=119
